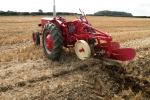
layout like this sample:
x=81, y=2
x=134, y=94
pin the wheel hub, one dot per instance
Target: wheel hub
x=34, y=38
x=81, y=50
x=49, y=42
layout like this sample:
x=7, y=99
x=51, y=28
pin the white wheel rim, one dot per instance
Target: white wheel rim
x=82, y=49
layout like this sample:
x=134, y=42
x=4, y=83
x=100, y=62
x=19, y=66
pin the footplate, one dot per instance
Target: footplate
x=123, y=54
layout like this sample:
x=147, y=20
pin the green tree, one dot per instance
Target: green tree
x=40, y=11
x=113, y=13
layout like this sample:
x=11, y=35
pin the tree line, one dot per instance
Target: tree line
x=99, y=13
x=113, y=13
x=40, y=12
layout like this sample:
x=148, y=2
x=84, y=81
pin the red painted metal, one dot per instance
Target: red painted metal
x=34, y=38
x=80, y=29
x=49, y=42
x=81, y=50
x=123, y=54
x=104, y=46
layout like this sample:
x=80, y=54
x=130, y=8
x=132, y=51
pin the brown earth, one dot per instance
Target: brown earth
x=25, y=72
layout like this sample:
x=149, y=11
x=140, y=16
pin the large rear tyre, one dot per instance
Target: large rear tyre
x=36, y=37
x=52, y=41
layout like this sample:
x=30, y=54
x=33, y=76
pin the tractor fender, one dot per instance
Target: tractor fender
x=51, y=20
x=57, y=23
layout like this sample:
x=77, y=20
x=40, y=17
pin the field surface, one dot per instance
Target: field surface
x=26, y=74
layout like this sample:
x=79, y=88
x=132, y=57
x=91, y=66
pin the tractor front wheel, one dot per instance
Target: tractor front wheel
x=36, y=37
x=52, y=41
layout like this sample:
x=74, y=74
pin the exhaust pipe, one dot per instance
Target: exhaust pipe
x=54, y=10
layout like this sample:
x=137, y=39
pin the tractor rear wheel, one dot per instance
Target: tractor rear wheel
x=52, y=41
x=36, y=37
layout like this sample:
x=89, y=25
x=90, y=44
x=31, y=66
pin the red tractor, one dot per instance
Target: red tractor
x=86, y=40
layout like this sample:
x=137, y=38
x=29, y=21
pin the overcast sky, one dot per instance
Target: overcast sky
x=136, y=7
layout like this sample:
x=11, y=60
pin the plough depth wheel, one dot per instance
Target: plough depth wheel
x=82, y=49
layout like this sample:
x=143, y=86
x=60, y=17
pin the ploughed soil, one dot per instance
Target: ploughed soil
x=26, y=73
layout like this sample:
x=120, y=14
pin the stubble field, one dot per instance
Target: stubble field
x=25, y=72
